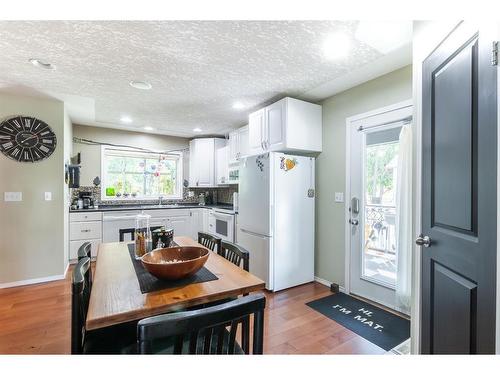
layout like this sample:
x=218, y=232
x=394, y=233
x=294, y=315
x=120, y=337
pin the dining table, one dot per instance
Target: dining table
x=116, y=295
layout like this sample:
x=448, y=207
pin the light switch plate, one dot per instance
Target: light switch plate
x=12, y=196
x=48, y=196
x=339, y=197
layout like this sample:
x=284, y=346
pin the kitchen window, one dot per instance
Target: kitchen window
x=128, y=174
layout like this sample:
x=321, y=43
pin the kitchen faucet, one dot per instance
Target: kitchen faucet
x=160, y=200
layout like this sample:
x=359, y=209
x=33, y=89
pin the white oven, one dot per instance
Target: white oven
x=221, y=224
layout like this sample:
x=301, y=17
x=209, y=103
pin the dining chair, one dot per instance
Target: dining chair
x=84, y=250
x=235, y=254
x=114, y=340
x=131, y=231
x=203, y=331
x=210, y=242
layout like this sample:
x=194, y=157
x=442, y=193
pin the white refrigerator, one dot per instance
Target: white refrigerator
x=276, y=218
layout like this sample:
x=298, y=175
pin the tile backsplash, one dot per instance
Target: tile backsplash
x=220, y=195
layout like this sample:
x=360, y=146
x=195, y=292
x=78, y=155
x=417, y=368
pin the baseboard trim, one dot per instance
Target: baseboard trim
x=327, y=283
x=32, y=281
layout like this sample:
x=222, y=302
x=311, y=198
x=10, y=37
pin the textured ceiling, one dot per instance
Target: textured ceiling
x=197, y=68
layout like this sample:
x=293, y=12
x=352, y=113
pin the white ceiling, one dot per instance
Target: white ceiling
x=198, y=69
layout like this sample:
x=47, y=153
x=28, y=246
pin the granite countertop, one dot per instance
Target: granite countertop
x=125, y=207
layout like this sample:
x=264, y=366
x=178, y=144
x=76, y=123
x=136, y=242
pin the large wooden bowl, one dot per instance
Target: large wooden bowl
x=175, y=263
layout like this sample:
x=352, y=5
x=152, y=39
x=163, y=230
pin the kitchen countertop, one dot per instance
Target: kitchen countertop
x=126, y=207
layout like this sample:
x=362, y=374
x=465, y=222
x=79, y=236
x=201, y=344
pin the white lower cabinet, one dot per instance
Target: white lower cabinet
x=84, y=227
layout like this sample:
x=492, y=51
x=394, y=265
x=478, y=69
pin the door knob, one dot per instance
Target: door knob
x=424, y=241
x=354, y=221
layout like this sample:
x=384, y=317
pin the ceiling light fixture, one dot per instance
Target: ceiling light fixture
x=337, y=46
x=126, y=119
x=40, y=64
x=238, y=105
x=141, y=85
x=148, y=128
x=197, y=130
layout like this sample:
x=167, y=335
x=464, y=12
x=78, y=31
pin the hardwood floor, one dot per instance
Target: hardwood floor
x=36, y=319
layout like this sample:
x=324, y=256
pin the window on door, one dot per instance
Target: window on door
x=379, y=255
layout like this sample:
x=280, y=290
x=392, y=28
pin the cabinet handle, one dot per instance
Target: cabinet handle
x=85, y=230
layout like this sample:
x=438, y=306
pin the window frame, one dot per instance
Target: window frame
x=179, y=188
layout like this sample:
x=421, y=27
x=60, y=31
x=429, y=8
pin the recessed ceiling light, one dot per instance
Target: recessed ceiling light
x=238, y=105
x=197, y=130
x=40, y=64
x=336, y=46
x=126, y=119
x=148, y=128
x=141, y=85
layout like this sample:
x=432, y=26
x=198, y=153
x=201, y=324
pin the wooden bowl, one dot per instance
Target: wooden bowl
x=175, y=263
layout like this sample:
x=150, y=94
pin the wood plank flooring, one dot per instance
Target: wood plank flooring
x=36, y=319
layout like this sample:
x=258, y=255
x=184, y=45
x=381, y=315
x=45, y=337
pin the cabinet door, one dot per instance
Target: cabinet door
x=223, y=165
x=244, y=147
x=255, y=131
x=275, y=126
x=193, y=162
x=234, y=145
x=181, y=225
x=205, y=162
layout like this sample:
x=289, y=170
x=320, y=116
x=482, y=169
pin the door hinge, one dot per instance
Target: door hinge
x=494, y=54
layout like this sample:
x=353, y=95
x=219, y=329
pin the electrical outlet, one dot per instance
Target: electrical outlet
x=48, y=196
x=12, y=196
x=339, y=197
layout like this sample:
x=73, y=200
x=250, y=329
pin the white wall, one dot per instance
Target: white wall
x=33, y=240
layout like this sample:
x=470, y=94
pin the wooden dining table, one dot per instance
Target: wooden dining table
x=116, y=296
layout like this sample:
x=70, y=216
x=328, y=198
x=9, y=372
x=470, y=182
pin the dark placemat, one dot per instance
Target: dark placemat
x=149, y=283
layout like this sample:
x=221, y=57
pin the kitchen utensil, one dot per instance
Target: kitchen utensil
x=142, y=236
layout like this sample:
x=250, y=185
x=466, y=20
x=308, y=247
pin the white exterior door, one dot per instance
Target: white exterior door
x=374, y=148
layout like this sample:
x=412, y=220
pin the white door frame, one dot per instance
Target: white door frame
x=363, y=116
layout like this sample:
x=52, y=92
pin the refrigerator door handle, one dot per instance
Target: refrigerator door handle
x=254, y=234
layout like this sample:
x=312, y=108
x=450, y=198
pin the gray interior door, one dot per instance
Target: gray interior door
x=459, y=136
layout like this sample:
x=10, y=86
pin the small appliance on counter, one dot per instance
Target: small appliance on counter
x=87, y=200
x=162, y=238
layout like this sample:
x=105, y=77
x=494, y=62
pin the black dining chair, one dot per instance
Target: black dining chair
x=235, y=254
x=84, y=251
x=114, y=340
x=203, y=331
x=210, y=242
x=131, y=231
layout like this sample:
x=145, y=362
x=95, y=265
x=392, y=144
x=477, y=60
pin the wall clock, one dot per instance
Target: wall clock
x=26, y=139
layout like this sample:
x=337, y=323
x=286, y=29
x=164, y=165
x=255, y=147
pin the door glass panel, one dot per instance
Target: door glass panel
x=379, y=254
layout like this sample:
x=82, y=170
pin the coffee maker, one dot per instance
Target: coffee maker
x=87, y=198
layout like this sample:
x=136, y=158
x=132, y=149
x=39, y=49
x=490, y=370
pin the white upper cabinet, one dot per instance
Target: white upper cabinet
x=287, y=125
x=244, y=147
x=256, y=131
x=203, y=161
x=238, y=144
x=223, y=165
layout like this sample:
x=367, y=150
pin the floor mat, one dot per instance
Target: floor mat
x=378, y=326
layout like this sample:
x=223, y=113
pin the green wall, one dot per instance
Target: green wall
x=330, y=167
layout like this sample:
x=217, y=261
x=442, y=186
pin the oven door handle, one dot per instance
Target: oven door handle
x=222, y=216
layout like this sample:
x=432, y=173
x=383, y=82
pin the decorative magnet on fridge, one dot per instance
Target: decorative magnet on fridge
x=286, y=164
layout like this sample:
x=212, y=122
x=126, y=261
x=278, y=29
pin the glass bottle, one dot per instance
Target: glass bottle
x=142, y=236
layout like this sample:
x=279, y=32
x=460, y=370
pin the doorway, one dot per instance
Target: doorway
x=375, y=157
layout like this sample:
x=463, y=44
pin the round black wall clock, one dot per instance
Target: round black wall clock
x=26, y=139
